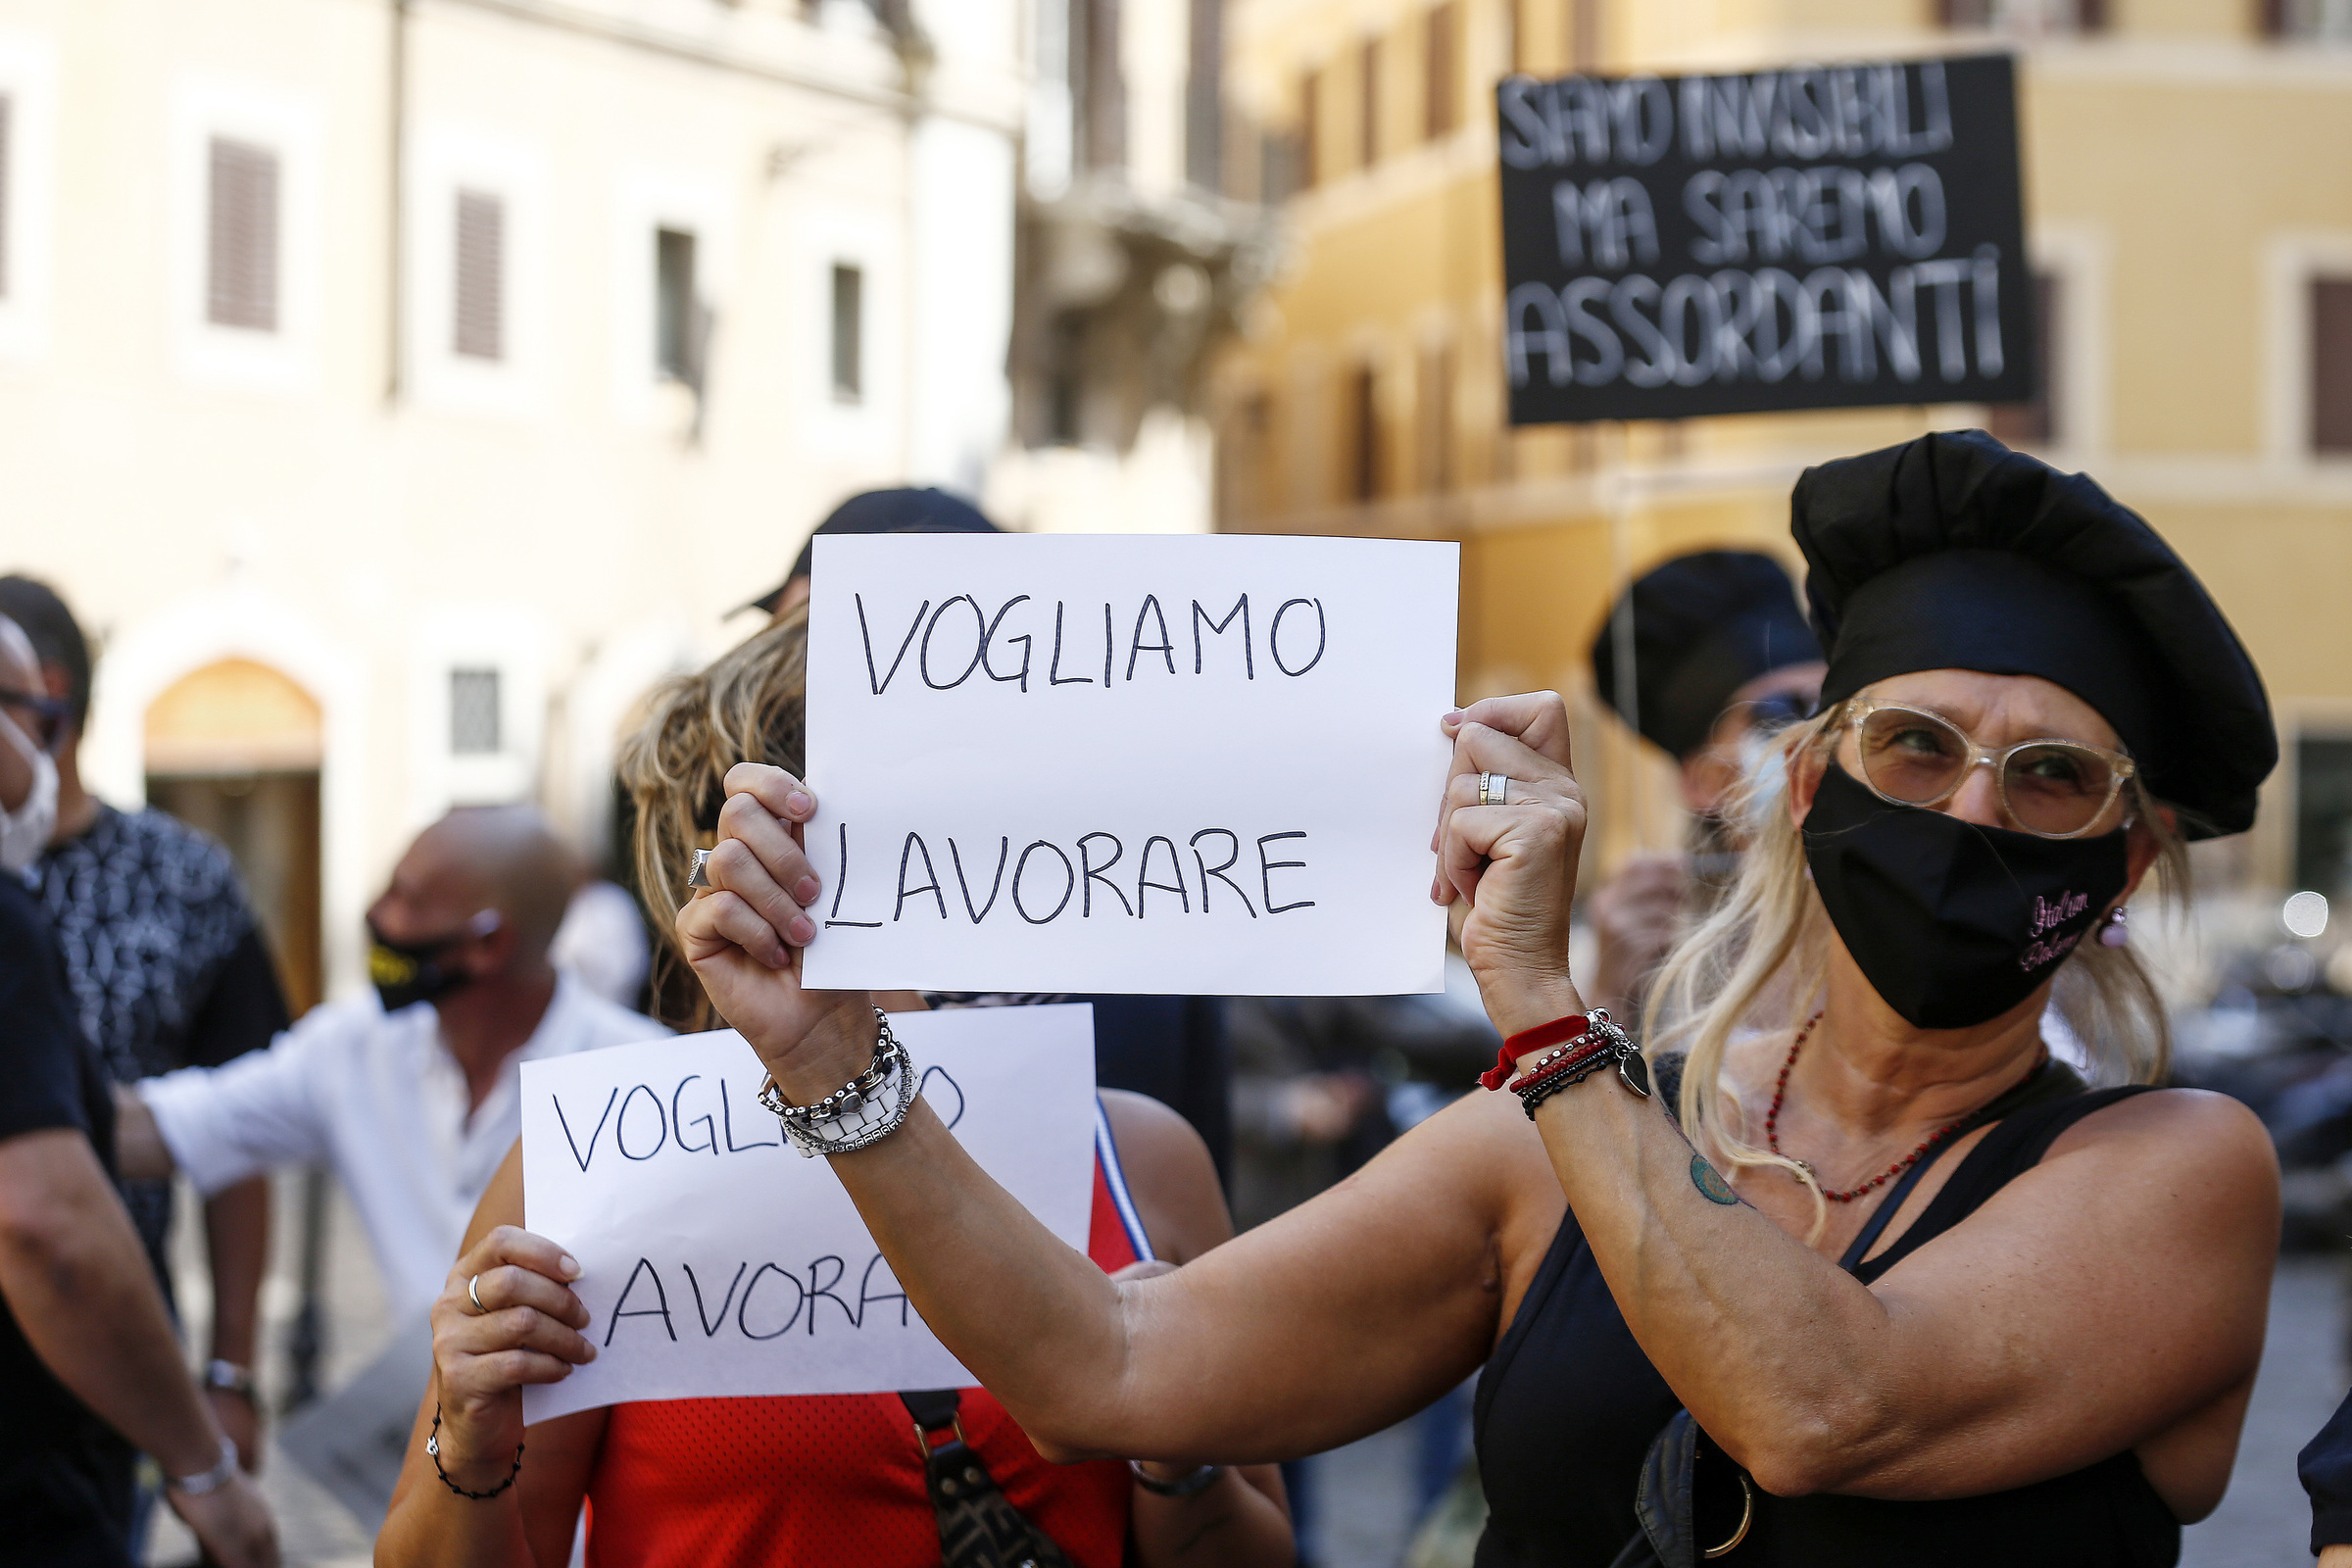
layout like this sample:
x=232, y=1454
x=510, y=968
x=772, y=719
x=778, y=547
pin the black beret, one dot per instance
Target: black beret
x=1704, y=625
x=906, y=511
x=1952, y=552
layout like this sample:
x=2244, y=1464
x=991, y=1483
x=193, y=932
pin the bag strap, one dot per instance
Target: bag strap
x=978, y=1524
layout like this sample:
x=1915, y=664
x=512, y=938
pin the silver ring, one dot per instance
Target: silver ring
x=473, y=1295
x=1493, y=789
x=700, y=876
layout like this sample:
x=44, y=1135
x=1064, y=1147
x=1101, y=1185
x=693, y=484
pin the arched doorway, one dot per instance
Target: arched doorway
x=234, y=748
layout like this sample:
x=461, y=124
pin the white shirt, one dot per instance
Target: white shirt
x=378, y=1097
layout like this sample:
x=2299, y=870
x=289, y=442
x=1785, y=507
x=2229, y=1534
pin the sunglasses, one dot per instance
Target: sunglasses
x=46, y=715
x=2053, y=789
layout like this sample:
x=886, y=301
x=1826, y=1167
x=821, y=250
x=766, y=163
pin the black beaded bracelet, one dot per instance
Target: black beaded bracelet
x=432, y=1449
x=1184, y=1486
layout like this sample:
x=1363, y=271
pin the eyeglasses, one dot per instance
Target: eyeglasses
x=2053, y=789
x=48, y=716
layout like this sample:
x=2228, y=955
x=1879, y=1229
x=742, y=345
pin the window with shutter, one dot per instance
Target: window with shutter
x=676, y=349
x=5, y=170
x=2311, y=21
x=474, y=712
x=478, y=327
x=1439, y=94
x=1311, y=139
x=2332, y=366
x=2036, y=424
x=848, y=318
x=1364, y=455
x=241, y=245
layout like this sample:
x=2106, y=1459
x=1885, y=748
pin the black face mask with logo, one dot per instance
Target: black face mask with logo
x=406, y=973
x=1952, y=923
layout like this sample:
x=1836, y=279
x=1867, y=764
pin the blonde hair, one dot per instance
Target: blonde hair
x=1761, y=960
x=746, y=707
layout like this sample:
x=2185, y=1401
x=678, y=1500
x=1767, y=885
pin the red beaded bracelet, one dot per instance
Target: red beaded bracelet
x=1568, y=1027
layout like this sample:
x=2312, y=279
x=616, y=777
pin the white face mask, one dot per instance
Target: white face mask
x=24, y=832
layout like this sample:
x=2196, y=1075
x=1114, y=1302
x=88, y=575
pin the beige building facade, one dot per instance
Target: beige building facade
x=2187, y=170
x=398, y=389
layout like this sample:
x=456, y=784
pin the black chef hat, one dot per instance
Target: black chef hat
x=1704, y=625
x=1952, y=552
x=924, y=511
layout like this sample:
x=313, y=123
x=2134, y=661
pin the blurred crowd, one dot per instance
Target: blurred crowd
x=133, y=957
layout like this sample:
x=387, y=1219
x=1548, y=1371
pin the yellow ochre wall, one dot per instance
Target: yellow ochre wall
x=2184, y=180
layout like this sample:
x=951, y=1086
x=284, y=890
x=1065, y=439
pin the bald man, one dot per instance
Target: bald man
x=412, y=1093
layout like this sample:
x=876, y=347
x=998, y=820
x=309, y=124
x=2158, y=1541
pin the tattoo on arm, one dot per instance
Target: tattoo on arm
x=1710, y=1183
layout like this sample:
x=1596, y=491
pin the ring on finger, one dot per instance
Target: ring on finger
x=1493, y=789
x=698, y=876
x=473, y=1294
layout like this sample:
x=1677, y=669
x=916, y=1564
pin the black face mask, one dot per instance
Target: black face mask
x=1951, y=922
x=406, y=973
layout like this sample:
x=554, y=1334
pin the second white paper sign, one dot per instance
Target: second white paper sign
x=1123, y=763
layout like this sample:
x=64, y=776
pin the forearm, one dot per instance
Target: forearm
x=1239, y=1521
x=80, y=1287
x=236, y=1229
x=1779, y=1355
x=1036, y=1322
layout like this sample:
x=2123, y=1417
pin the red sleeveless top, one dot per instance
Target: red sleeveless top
x=836, y=1480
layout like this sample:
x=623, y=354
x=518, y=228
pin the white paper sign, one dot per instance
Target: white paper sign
x=1128, y=763
x=715, y=1260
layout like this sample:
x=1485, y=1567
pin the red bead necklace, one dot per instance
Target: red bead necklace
x=1771, y=1122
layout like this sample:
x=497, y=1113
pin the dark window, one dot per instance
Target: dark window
x=676, y=353
x=1098, y=83
x=2332, y=366
x=474, y=712
x=5, y=107
x=2045, y=15
x=241, y=246
x=2308, y=19
x=1204, y=97
x=1440, y=96
x=1310, y=131
x=849, y=321
x=2036, y=424
x=1367, y=130
x=2323, y=817
x=1584, y=35
x=1064, y=381
x=1437, y=421
x=480, y=328
x=1363, y=420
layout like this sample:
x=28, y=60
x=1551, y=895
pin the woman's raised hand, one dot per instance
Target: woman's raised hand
x=526, y=1330
x=1513, y=864
x=744, y=934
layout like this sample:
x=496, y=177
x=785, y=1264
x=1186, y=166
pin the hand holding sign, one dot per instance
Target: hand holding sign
x=1514, y=863
x=744, y=933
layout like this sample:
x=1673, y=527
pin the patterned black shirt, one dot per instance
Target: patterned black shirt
x=168, y=966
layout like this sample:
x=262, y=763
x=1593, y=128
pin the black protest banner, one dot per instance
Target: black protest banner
x=1821, y=236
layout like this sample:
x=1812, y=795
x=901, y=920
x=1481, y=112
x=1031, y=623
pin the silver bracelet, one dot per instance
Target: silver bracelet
x=853, y=1116
x=207, y=1480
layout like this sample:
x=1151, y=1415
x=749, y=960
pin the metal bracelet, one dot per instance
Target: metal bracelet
x=851, y=1117
x=205, y=1482
x=1620, y=1053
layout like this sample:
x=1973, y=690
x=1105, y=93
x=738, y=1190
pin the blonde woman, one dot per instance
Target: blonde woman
x=808, y=1482
x=1898, y=1288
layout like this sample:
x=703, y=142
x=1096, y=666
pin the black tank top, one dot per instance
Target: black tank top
x=1568, y=1406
